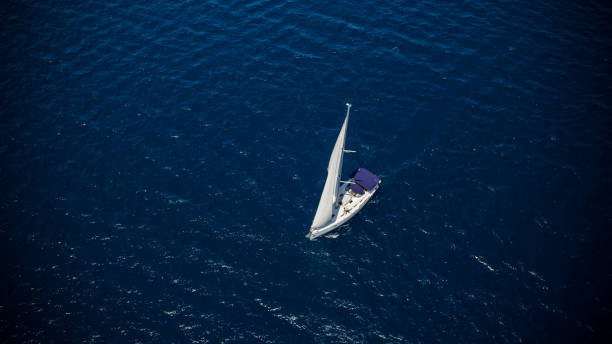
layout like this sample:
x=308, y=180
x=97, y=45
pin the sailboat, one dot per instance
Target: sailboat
x=341, y=200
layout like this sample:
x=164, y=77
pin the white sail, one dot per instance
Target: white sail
x=329, y=197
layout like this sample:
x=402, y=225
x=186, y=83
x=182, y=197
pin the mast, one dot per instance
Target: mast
x=344, y=126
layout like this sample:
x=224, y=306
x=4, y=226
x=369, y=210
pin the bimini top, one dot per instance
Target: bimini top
x=364, y=180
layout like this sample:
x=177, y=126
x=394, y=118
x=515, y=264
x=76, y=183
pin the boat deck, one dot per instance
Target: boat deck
x=349, y=205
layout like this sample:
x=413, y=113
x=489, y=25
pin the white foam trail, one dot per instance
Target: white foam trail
x=481, y=260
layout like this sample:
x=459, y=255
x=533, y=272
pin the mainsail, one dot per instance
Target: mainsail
x=329, y=197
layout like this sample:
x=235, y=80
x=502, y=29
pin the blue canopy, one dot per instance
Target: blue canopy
x=364, y=180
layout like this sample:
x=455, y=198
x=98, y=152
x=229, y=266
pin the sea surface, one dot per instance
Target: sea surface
x=162, y=161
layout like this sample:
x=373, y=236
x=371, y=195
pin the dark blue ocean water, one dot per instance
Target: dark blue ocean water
x=161, y=162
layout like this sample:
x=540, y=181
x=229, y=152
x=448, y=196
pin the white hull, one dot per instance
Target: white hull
x=350, y=204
